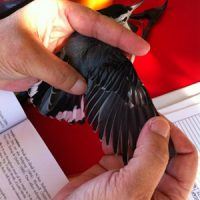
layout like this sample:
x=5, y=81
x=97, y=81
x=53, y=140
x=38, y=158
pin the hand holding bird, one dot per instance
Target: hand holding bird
x=148, y=174
x=30, y=37
x=33, y=33
x=113, y=84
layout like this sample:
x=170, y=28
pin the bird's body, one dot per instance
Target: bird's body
x=116, y=104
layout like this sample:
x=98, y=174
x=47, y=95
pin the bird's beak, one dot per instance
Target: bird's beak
x=132, y=8
x=127, y=15
x=135, y=6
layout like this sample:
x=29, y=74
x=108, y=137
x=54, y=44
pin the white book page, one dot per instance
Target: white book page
x=181, y=105
x=27, y=168
x=188, y=120
x=11, y=112
x=176, y=96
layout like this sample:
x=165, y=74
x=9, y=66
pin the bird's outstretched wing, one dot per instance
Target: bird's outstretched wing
x=116, y=103
x=117, y=106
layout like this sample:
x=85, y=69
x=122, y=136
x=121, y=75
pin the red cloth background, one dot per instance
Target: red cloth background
x=174, y=62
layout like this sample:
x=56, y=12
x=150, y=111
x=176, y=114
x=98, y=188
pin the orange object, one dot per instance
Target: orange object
x=95, y=4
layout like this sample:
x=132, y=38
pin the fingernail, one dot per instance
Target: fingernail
x=160, y=126
x=79, y=87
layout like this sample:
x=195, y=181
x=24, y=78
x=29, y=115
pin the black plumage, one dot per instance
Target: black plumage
x=151, y=16
x=116, y=103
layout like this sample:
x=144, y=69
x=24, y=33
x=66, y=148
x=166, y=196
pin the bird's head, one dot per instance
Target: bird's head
x=119, y=12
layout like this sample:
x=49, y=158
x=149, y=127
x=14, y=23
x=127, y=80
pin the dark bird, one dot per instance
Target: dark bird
x=116, y=103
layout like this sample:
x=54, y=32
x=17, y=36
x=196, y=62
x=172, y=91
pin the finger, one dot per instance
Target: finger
x=183, y=167
x=43, y=65
x=93, y=24
x=181, y=143
x=181, y=171
x=150, y=159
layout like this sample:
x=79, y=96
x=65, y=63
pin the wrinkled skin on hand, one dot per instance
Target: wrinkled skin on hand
x=148, y=174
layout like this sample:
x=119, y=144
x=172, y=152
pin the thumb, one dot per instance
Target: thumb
x=150, y=159
x=45, y=66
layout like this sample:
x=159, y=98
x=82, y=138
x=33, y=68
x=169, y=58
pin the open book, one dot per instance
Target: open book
x=27, y=168
x=182, y=107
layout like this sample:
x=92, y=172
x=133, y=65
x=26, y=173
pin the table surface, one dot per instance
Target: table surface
x=173, y=62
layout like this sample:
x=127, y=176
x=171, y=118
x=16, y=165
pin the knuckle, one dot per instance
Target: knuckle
x=159, y=156
x=162, y=158
x=160, y=152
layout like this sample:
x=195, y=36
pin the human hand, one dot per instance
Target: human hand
x=31, y=34
x=148, y=174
